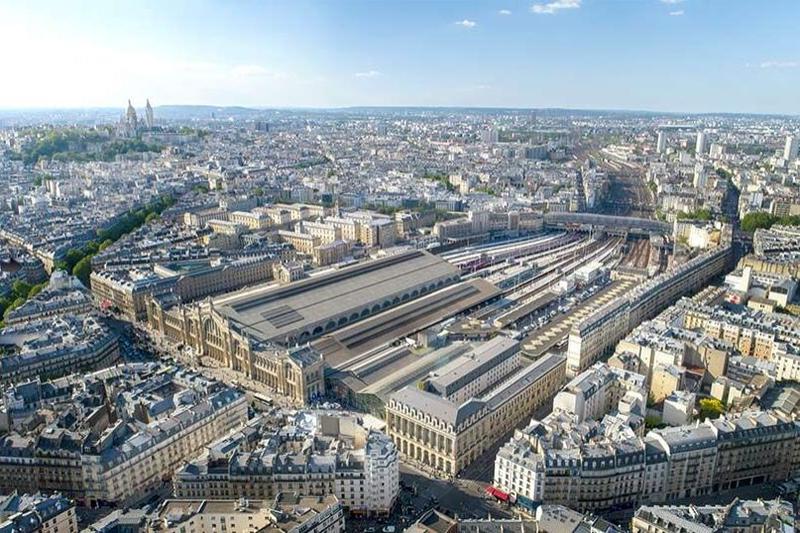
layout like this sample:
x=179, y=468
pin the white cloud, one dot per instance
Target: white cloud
x=504, y=12
x=779, y=64
x=467, y=23
x=672, y=2
x=368, y=74
x=678, y=13
x=551, y=8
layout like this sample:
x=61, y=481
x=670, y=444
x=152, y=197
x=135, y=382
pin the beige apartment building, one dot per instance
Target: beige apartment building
x=447, y=437
x=325, y=233
x=331, y=253
x=597, y=334
x=135, y=468
x=253, y=220
x=125, y=460
x=288, y=512
x=130, y=291
x=305, y=243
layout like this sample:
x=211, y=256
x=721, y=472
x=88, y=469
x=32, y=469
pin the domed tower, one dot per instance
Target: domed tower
x=130, y=117
x=148, y=115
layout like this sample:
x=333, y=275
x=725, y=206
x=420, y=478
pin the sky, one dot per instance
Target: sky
x=659, y=55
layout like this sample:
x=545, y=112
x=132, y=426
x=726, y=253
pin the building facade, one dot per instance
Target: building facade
x=446, y=437
x=339, y=457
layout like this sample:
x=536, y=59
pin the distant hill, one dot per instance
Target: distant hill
x=186, y=113
x=205, y=112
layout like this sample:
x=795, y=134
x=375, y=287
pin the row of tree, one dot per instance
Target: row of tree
x=698, y=214
x=20, y=292
x=763, y=220
x=79, y=260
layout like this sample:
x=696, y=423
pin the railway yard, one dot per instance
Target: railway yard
x=531, y=288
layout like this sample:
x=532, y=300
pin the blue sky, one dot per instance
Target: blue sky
x=670, y=55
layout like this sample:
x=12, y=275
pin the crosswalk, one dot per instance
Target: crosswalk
x=541, y=340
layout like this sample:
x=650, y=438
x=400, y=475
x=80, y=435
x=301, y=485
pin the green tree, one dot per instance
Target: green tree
x=20, y=289
x=16, y=303
x=4, y=303
x=652, y=422
x=723, y=173
x=753, y=221
x=83, y=270
x=151, y=217
x=72, y=257
x=710, y=408
x=36, y=289
x=699, y=214
x=105, y=244
x=91, y=247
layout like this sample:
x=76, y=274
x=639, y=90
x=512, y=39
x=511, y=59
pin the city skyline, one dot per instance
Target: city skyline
x=374, y=266
x=660, y=55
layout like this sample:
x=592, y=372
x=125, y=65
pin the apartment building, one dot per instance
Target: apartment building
x=598, y=391
x=35, y=513
x=597, y=334
x=663, y=342
x=305, y=243
x=288, y=512
x=54, y=346
x=117, y=437
x=323, y=232
x=315, y=454
x=746, y=516
x=604, y=465
x=129, y=290
x=483, y=222
x=64, y=294
x=200, y=218
x=752, y=333
x=331, y=253
x=254, y=220
x=446, y=437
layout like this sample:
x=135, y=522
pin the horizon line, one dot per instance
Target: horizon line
x=407, y=106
